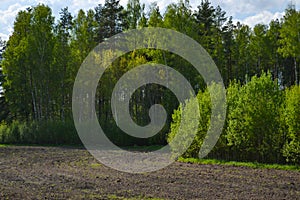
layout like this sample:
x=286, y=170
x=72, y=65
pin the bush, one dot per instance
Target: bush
x=222, y=150
x=291, y=119
x=204, y=105
x=39, y=133
x=3, y=132
x=182, y=128
x=254, y=121
x=253, y=124
x=10, y=133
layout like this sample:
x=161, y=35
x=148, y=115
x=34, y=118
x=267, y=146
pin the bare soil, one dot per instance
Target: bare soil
x=72, y=173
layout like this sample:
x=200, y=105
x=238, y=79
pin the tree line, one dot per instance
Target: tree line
x=42, y=56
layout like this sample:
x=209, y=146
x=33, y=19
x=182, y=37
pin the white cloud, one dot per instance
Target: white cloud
x=4, y=36
x=238, y=8
x=7, y=16
x=7, y=19
x=264, y=17
x=76, y=5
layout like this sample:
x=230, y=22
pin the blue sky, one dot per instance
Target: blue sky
x=249, y=12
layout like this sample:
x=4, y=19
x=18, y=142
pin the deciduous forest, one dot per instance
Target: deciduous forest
x=259, y=66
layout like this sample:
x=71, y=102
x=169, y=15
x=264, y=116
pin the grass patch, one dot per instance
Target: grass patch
x=96, y=165
x=240, y=164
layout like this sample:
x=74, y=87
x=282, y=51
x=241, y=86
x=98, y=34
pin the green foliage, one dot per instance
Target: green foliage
x=290, y=39
x=290, y=33
x=179, y=17
x=134, y=12
x=111, y=20
x=155, y=18
x=291, y=117
x=184, y=117
x=188, y=110
x=39, y=133
x=254, y=119
x=253, y=128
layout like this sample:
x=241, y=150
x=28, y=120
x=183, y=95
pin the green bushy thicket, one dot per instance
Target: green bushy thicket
x=39, y=133
x=58, y=132
x=262, y=123
x=254, y=121
x=120, y=138
x=291, y=121
x=204, y=105
x=185, y=138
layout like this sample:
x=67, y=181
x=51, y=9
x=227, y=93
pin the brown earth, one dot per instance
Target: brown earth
x=72, y=173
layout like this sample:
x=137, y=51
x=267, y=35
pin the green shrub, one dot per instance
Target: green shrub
x=13, y=134
x=3, y=132
x=204, y=105
x=291, y=118
x=222, y=150
x=51, y=132
x=183, y=127
x=56, y=132
x=252, y=127
x=254, y=121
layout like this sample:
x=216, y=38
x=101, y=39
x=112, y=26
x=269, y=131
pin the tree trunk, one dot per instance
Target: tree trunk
x=62, y=107
x=296, y=72
x=33, y=99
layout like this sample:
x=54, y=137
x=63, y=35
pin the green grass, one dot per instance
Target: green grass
x=240, y=164
x=96, y=165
